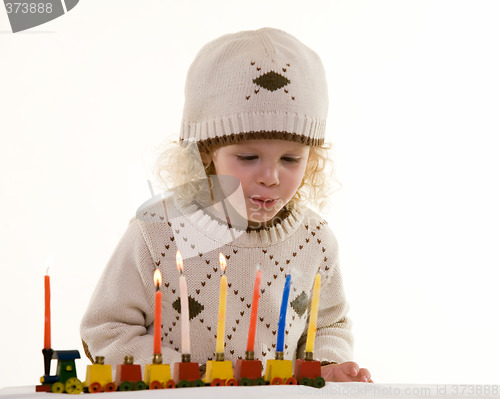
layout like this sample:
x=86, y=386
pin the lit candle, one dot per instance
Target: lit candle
x=46, y=338
x=255, y=308
x=157, y=326
x=282, y=319
x=313, y=316
x=185, y=339
x=221, y=319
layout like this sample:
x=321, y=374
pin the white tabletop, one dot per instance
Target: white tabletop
x=333, y=390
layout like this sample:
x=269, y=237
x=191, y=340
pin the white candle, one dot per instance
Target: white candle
x=185, y=338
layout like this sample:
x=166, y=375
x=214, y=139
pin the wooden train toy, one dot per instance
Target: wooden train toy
x=158, y=375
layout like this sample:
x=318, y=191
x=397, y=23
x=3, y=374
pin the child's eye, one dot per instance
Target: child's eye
x=246, y=157
x=291, y=159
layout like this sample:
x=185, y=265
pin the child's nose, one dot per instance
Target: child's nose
x=269, y=175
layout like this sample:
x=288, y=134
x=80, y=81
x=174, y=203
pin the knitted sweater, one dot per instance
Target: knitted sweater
x=120, y=317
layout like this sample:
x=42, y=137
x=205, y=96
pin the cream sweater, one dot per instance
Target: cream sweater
x=120, y=317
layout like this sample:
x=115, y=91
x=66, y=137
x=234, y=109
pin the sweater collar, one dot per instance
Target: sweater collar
x=206, y=221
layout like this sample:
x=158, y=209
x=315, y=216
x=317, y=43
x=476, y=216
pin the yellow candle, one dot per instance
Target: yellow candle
x=313, y=316
x=221, y=320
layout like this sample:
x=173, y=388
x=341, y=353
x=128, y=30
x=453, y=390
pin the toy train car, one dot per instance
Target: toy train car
x=186, y=374
x=65, y=379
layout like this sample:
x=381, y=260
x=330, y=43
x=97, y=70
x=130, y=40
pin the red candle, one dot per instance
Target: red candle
x=46, y=338
x=157, y=326
x=255, y=308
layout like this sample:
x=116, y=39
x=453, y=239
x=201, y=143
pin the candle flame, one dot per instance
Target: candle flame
x=178, y=259
x=157, y=279
x=222, y=262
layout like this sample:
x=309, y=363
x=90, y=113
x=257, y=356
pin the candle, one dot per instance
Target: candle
x=282, y=318
x=157, y=326
x=221, y=319
x=46, y=338
x=185, y=339
x=313, y=316
x=253, y=315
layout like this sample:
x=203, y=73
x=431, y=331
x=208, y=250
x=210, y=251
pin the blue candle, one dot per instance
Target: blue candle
x=282, y=319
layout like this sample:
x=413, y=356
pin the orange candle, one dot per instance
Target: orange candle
x=157, y=326
x=46, y=338
x=255, y=308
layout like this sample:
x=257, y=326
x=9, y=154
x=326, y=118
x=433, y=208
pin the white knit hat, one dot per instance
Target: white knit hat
x=252, y=85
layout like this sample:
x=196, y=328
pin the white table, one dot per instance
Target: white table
x=331, y=390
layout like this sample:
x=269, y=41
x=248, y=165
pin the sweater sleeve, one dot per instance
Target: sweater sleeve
x=120, y=316
x=334, y=341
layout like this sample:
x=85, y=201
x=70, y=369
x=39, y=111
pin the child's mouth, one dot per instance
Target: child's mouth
x=266, y=203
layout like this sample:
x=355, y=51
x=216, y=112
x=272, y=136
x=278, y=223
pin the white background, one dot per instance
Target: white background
x=414, y=119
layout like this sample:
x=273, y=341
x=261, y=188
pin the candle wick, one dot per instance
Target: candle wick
x=47, y=271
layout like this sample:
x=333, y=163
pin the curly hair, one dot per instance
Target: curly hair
x=181, y=167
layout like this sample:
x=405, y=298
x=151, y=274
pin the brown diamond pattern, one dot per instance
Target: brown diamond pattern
x=195, y=308
x=271, y=81
x=300, y=303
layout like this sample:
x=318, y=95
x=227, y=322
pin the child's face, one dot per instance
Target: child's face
x=270, y=172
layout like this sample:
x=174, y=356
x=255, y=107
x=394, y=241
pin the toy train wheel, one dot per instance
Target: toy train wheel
x=140, y=386
x=184, y=384
x=217, y=382
x=198, y=383
x=95, y=387
x=73, y=386
x=276, y=381
x=246, y=382
x=291, y=381
x=232, y=382
x=170, y=384
x=110, y=387
x=155, y=385
x=260, y=381
x=57, y=387
x=306, y=381
x=126, y=386
x=319, y=382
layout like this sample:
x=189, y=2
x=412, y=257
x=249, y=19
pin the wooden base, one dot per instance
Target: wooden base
x=128, y=372
x=218, y=370
x=43, y=388
x=251, y=369
x=188, y=371
x=307, y=368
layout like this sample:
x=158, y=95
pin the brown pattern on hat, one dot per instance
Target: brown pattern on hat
x=271, y=80
x=219, y=141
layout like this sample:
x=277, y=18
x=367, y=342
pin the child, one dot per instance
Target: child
x=254, y=123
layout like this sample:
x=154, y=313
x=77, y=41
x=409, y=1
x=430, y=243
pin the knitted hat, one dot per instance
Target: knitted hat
x=254, y=85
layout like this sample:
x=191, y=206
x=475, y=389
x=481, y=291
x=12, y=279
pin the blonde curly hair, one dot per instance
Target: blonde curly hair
x=180, y=166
